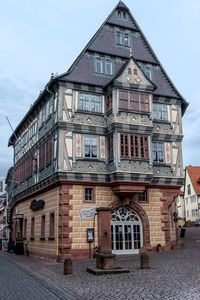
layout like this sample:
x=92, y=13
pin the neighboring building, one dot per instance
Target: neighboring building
x=107, y=132
x=180, y=203
x=192, y=193
x=3, y=223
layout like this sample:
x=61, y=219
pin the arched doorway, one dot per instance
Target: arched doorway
x=126, y=231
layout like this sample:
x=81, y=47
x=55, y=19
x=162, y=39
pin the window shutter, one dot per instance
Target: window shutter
x=78, y=145
x=102, y=146
x=167, y=153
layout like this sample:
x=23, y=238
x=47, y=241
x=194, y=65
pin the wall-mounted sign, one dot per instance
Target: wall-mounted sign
x=35, y=205
x=9, y=218
x=18, y=216
x=90, y=235
x=87, y=213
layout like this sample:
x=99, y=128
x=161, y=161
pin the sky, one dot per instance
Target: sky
x=40, y=37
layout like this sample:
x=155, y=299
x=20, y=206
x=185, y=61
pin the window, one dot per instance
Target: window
x=189, y=189
x=48, y=151
x=193, y=199
x=89, y=195
x=122, y=15
x=160, y=111
x=148, y=72
x=187, y=201
x=119, y=38
x=42, y=156
x=32, y=227
x=51, y=225
x=127, y=40
x=123, y=39
x=109, y=102
x=143, y=196
x=108, y=67
x=134, y=146
x=91, y=145
x=194, y=212
x=43, y=226
x=135, y=72
x=134, y=101
x=51, y=106
x=44, y=114
x=25, y=228
x=187, y=213
x=158, y=152
x=32, y=130
x=129, y=71
x=29, y=167
x=110, y=146
x=99, y=66
x=90, y=102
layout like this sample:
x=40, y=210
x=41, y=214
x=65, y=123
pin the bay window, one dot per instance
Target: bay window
x=134, y=146
x=134, y=101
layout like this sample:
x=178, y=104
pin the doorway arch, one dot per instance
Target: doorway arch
x=126, y=231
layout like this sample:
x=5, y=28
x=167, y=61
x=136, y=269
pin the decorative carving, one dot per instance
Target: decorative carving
x=135, y=166
x=130, y=118
x=162, y=171
x=90, y=166
x=88, y=119
x=163, y=128
x=124, y=214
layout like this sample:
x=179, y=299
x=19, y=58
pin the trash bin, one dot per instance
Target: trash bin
x=19, y=248
x=182, y=232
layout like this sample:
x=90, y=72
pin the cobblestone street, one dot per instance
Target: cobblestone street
x=173, y=275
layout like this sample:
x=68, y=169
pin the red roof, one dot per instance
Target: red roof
x=194, y=173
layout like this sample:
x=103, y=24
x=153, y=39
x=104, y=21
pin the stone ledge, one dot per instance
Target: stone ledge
x=96, y=271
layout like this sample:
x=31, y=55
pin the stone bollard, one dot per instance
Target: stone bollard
x=144, y=261
x=68, y=270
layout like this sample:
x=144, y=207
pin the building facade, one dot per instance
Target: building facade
x=192, y=193
x=108, y=133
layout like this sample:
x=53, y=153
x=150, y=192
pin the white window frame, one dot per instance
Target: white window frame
x=157, y=150
x=91, y=141
x=90, y=102
x=100, y=62
x=159, y=113
x=108, y=63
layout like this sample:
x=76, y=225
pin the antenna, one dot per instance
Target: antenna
x=11, y=127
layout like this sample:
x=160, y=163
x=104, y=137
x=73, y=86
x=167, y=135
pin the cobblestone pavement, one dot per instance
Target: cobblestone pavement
x=173, y=275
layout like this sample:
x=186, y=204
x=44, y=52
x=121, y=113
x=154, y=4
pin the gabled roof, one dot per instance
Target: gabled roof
x=103, y=43
x=194, y=173
x=124, y=67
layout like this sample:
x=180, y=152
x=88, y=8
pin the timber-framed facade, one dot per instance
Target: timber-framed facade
x=107, y=132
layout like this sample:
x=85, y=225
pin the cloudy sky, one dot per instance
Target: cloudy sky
x=40, y=37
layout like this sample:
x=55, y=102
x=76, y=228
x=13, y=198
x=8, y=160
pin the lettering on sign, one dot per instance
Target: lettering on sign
x=35, y=205
x=87, y=213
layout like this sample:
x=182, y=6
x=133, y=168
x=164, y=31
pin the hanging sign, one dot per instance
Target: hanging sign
x=87, y=213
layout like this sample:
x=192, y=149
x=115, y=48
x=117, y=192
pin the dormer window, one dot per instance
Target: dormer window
x=119, y=14
x=119, y=38
x=122, y=15
x=103, y=66
x=148, y=72
x=122, y=39
x=108, y=67
x=99, y=66
x=126, y=40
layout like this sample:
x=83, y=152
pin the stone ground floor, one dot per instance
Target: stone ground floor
x=173, y=275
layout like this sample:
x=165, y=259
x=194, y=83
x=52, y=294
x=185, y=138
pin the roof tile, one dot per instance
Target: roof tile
x=194, y=173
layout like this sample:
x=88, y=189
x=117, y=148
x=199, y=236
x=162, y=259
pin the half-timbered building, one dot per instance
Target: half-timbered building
x=108, y=133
